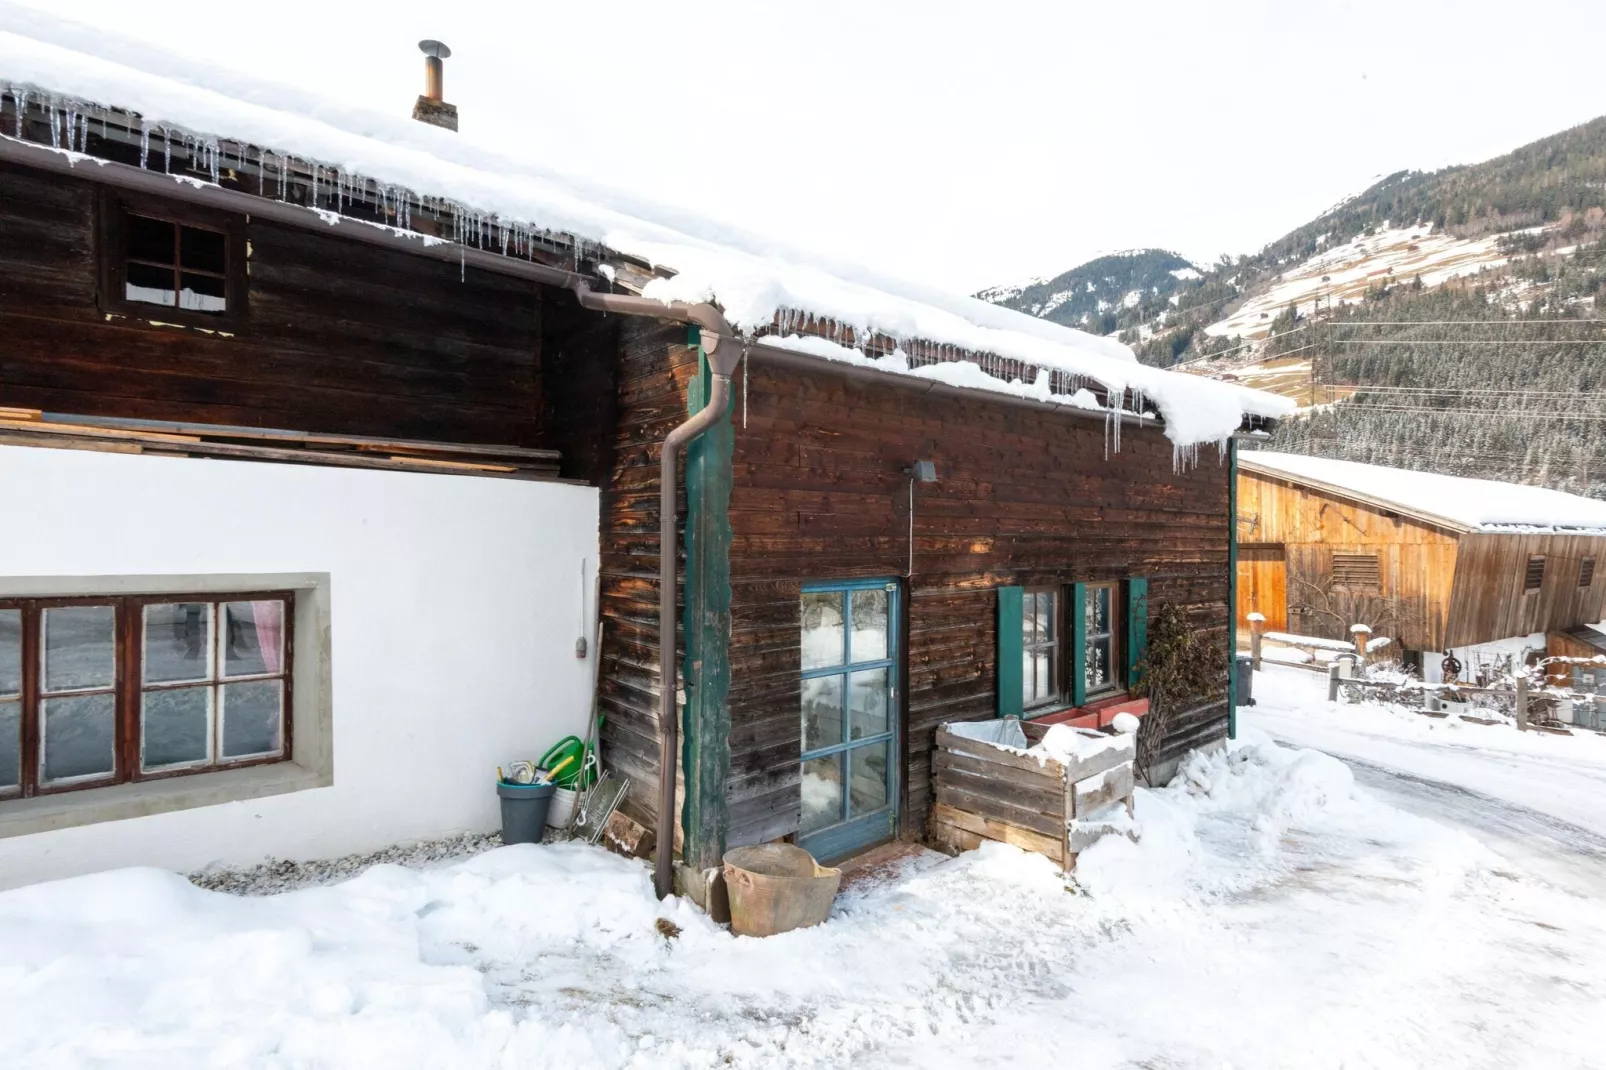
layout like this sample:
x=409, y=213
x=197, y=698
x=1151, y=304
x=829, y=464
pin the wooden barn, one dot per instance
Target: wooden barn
x=820, y=528
x=1434, y=562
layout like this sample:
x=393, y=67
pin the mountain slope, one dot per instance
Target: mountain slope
x=1448, y=320
x=1091, y=296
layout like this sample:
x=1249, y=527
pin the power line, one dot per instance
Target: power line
x=1470, y=341
x=1460, y=323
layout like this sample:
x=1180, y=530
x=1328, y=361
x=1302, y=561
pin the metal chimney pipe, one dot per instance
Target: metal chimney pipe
x=435, y=54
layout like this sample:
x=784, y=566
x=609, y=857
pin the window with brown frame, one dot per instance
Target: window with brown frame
x=1586, y=572
x=1101, y=624
x=97, y=691
x=185, y=261
x=1534, y=578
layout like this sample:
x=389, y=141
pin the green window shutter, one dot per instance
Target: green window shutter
x=1078, y=666
x=1137, y=626
x=1009, y=652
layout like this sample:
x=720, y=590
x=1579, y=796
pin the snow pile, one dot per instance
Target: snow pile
x=1479, y=504
x=1064, y=743
x=757, y=281
x=1314, y=641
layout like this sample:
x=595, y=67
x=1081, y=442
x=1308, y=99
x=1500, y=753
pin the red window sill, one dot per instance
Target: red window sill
x=1096, y=714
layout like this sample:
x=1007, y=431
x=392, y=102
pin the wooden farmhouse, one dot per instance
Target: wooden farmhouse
x=1435, y=563
x=330, y=444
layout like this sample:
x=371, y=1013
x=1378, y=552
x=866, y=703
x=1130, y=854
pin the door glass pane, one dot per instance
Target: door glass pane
x=178, y=642
x=822, y=712
x=175, y=726
x=10, y=744
x=253, y=637
x=867, y=790
x=10, y=652
x=251, y=718
x=867, y=702
x=822, y=793
x=822, y=629
x=78, y=735
x=869, y=639
x=80, y=650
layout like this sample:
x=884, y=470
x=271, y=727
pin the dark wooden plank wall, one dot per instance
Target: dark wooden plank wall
x=655, y=366
x=338, y=337
x=1025, y=496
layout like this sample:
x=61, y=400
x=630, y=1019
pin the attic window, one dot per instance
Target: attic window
x=1586, y=572
x=1357, y=572
x=188, y=263
x=1535, y=577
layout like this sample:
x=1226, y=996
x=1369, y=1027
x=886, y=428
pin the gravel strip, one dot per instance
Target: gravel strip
x=281, y=875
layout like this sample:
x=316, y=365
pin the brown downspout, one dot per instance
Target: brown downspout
x=722, y=345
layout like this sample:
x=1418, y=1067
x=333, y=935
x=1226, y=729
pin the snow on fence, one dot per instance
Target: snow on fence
x=1313, y=641
x=1056, y=799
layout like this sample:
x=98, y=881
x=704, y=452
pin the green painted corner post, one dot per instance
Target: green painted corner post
x=1232, y=588
x=707, y=628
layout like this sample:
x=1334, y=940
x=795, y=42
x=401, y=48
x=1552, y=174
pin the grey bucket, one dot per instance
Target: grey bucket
x=524, y=809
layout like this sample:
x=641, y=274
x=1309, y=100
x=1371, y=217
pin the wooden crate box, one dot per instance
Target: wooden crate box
x=988, y=791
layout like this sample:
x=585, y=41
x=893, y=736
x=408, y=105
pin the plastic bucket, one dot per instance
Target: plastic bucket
x=524, y=810
x=561, y=812
x=776, y=887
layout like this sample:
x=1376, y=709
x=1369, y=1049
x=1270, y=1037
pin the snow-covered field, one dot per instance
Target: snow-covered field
x=1273, y=915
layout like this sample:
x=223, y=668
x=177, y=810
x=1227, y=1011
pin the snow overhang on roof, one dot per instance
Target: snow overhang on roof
x=1455, y=503
x=346, y=162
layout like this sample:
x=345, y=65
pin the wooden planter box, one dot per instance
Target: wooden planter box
x=985, y=791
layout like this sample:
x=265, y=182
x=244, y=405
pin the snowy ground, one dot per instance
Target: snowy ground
x=1273, y=915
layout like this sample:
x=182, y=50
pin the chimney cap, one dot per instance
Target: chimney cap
x=434, y=49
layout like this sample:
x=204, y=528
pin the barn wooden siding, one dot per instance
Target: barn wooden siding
x=655, y=365
x=1489, y=600
x=337, y=336
x=1416, y=561
x=1025, y=496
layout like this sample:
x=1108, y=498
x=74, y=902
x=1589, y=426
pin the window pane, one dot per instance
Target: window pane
x=822, y=629
x=10, y=652
x=176, y=726
x=867, y=702
x=178, y=642
x=202, y=250
x=869, y=639
x=822, y=793
x=150, y=239
x=80, y=648
x=867, y=788
x=1028, y=678
x=822, y=712
x=78, y=735
x=201, y=293
x=1101, y=610
x=152, y=285
x=253, y=638
x=1045, y=615
x=1098, y=663
x=10, y=744
x=251, y=715
x=1043, y=670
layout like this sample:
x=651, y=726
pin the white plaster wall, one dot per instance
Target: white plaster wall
x=455, y=605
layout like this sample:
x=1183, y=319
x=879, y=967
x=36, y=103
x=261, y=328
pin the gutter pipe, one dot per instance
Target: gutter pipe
x=722, y=357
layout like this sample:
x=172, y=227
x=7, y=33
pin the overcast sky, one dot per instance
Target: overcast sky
x=958, y=143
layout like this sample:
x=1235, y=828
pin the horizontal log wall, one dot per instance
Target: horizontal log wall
x=1024, y=496
x=336, y=337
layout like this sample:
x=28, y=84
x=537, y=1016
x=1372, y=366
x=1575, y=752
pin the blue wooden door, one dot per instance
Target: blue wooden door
x=850, y=661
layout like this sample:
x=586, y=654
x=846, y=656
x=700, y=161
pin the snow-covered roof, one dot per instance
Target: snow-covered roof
x=1479, y=505
x=757, y=281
